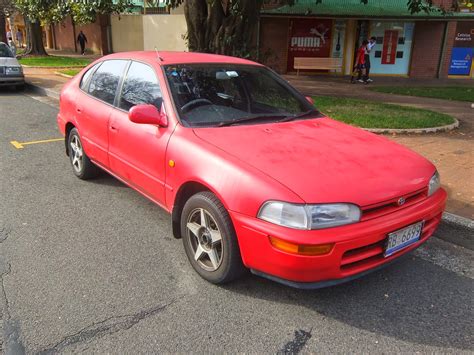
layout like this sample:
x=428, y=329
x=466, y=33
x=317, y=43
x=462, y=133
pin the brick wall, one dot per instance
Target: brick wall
x=427, y=43
x=95, y=32
x=274, y=43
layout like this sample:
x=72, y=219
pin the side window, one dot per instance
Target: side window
x=105, y=80
x=87, y=75
x=140, y=87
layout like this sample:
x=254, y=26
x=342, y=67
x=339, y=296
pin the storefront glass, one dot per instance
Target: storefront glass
x=392, y=52
x=338, y=39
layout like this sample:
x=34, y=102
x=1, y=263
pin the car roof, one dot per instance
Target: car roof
x=168, y=57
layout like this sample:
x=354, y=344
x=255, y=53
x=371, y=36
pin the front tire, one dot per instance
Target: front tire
x=209, y=239
x=82, y=167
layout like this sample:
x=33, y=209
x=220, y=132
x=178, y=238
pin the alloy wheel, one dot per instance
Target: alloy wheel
x=205, y=239
x=77, y=154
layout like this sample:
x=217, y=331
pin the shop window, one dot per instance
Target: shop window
x=392, y=51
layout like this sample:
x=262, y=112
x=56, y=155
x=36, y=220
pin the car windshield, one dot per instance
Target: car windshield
x=214, y=95
x=5, y=51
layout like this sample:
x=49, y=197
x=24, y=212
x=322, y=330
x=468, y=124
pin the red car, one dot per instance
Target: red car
x=254, y=176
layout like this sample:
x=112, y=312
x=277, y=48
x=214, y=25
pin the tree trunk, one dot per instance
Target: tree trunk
x=223, y=26
x=34, y=34
x=195, y=12
x=3, y=33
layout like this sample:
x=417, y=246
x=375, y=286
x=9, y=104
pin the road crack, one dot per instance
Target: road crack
x=106, y=327
x=298, y=343
x=11, y=342
x=4, y=233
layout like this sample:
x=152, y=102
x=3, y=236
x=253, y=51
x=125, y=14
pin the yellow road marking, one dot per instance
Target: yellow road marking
x=19, y=145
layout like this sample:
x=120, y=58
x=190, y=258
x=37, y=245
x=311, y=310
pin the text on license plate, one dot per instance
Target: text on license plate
x=403, y=237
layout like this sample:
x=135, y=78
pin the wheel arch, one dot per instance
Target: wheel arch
x=185, y=191
x=69, y=127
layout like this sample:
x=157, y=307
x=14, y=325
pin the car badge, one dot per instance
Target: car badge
x=401, y=201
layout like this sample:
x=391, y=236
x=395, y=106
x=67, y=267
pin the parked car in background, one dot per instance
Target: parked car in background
x=253, y=175
x=11, y=72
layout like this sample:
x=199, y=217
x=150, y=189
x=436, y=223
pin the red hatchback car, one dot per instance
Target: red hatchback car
x=253, y=175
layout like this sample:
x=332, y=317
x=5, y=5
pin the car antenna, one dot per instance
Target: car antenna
x=158, y=54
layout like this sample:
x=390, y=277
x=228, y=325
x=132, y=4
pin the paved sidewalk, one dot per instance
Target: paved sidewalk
x=451, y=152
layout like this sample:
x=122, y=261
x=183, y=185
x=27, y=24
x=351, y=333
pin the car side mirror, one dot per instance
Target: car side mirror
x=310, y=100
x=148, y=114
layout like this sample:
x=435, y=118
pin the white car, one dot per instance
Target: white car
x=11, y=72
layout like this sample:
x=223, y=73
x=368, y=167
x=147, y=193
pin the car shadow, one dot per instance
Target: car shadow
x=411, y=300
x=105, y=179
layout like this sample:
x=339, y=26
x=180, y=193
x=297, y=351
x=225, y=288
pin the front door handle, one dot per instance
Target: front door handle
x=113, y=128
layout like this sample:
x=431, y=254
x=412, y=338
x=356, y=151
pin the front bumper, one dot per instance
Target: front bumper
x=358, y=248
x=12, y=80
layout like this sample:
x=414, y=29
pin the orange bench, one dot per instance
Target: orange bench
x=312, y=63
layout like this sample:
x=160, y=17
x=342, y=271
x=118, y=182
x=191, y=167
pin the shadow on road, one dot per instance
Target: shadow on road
x=412, y=300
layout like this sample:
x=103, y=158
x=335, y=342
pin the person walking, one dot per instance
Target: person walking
x=359, y=66
x=370, y=45
x=19, y=38
x=82, y=39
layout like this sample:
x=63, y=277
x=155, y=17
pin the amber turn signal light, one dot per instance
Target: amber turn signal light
x=301, y=249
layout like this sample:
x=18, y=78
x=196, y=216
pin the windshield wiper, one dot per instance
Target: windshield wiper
x=250, y=118
x=311, y=112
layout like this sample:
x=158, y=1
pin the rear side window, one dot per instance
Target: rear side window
x=105, y=80
x=140, y=87
x=87, y=75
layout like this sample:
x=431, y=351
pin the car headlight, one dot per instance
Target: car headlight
x=434, y=184
x=299, y=216
x=13, y=70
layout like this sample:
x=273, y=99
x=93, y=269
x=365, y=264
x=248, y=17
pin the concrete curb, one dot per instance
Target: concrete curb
x=449, y=127
x=456, y=230
x=458, y=220
x=63, y=75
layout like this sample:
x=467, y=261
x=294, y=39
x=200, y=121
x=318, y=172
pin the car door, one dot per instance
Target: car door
x=137, y=151
x=93, y=108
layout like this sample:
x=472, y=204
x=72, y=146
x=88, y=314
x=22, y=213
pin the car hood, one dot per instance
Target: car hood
x=10, y=62
x=323, y=160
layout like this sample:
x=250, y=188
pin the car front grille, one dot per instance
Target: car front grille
x=356, y=260
x=389, y=206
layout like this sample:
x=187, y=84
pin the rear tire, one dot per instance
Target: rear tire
x=209, y=239
x=82, y=167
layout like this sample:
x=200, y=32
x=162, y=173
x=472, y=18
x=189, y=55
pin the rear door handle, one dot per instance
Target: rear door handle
x=113, y=128
x=78, y=110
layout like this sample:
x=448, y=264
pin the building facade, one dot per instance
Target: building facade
x=421, y=45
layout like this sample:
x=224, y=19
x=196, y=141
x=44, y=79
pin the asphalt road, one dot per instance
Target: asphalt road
x=93, y=267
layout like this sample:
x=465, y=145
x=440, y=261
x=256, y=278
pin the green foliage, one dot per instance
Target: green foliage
x=82, y=11
x=54, y=61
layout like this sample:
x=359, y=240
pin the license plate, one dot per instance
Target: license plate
x=402, y=238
